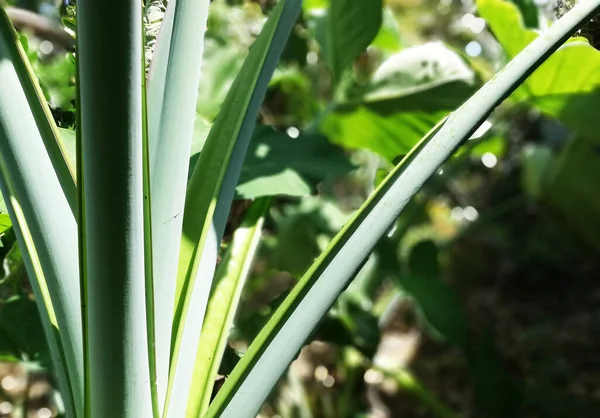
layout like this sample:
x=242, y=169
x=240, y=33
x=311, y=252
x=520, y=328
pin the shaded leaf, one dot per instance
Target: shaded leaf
x=572, y=187
x=496, y=393
x=347, y=30
x=437, y=302
x=277, y=164
x=20, y=321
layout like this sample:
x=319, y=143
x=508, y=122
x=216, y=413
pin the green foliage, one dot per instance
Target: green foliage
x=437, y=302
x=560, y=89
x=21, y=330
x=410, y=92
x=281, y=155
x=346, y=31
x=277, y=164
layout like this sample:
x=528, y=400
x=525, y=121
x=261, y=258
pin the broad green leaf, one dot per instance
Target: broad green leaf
x=411, y=91
x=536, y=161
x=437, y=302
x=302, y=227
x=221, y=64
x=39, y=192
x=388, y=38
x=277, y=164
x=173, y=83
x=506, y=23
x=280, y=340
x=347, y=30
x=230, y=277
x=529, y=11
x=114, y=216
x=20, y=321
x=572, y=185
x=13, y=265
x=560, y=88
x=496, y=393
x=309, y=5
x=567, y=85
x=213, y=181
x=5, y=223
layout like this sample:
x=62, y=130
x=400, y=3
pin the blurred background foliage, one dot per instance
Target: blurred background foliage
x=482, y=301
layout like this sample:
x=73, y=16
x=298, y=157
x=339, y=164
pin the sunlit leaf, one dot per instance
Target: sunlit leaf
x=277, y=164
x=411, y=92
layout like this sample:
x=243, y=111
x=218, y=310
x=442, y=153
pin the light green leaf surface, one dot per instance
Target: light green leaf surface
x=288, y=328
x=566, y=86
x=347, y=30
x=213, y=180
x=114, y=211
x=277, y=164
x=411, y=92
x=5, y=223
x=230, y=277
x=173, y=84
x=42, y=218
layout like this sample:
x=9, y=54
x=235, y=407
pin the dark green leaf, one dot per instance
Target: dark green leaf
x=572, y=187
x=437, y=302
x=20, y=321
x=347, y=30
x=277, y=164
x=496, y=393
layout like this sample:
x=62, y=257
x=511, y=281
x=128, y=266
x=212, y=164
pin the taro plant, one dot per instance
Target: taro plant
x=121, y=242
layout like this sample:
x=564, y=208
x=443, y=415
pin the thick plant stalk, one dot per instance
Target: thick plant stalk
x=110, y=57
x=275, y=347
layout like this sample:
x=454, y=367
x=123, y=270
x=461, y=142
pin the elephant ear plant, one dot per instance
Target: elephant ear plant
x=121, y=248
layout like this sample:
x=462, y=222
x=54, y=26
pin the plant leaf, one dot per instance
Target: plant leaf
x=114, y=219
x=566, y=86
x=571, y=187
x=230, y=277
x=20, y=320
x=411, y=91
x=562, y=90
x=347, y=30
x=65, y=171
x=42, y=216
x=279, y=165
x=288, y=328
x=173, y=84
x=5, y=223
x=213, y=180
x=437, y=302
